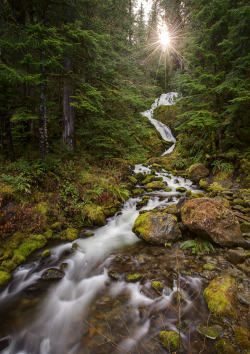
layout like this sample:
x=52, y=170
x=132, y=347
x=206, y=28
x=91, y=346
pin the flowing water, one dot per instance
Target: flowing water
x=89, y=312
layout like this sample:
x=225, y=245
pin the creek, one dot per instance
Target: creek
x=89, y=311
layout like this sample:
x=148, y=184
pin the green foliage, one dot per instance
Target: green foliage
x=198, y=246
x=220, y=166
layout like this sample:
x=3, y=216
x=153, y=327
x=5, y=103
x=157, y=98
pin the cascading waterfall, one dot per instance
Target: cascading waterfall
x=59, y=320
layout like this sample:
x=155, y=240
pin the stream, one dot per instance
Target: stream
x=89, y=311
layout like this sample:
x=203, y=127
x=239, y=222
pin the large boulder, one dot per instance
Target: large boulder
x=157, y=227
x=211, y=221
x=197, y=172
x=221, y=296
x=155, y=185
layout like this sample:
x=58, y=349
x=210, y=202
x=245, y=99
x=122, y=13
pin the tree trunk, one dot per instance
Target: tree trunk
x=68, y=109
x=8, y=135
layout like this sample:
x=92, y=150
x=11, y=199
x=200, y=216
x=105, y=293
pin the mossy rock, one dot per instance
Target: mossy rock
x=224, y=346
x=57, y=226
x=46, y=254
x=197, y=171
x=157, y=227
x=95, y=214
x=157, y=285
x=170, y=340
x=221, y=296
x=171, y=209
x=149, y=178
x=210, y=331
x=138, y=191
x=71, y=234
x=132, y=179
x=4, y=277
x=181, y=189
x=42, y=208
x=203, y=184
x=133, y=278
x=210, y=267
x=242, y=339
x=139, y=176
x=168, y=189
x=48, y=234
x=198, y=195
x=166, y=114
x=156, y=185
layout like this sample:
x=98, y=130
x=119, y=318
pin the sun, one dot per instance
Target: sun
x=164, y=37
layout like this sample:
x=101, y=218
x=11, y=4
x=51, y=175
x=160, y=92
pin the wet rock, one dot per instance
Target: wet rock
x=113, y=274
x=244, y=299
x=53, y=274
x=149, y=178
x=139, y=176
x=197, y=172
x=224, y=346
x=155, y=185
x=133, y=278
x=221, y=296
x=46, y=254
x=170, y=340
x=143, y=202
x=176, y=181
x=122, y=259
x=157, y=228
x=211, y=221
x=4, y=342
x=210, y=331
x=181, y=189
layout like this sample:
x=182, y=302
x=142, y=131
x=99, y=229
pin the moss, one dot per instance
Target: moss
x=242, y=340
x=215, y=188
x=168, y=189
x=138, y=191
x=197, y=195
x=133, y=278
x=95, y=214
x=46, y=254
x=149, y=178
x=221, y=296
x=57, y=226
x=132, y=179
x=71, y=234
x=155, y=185
x=170, y=340
x=4, y=277
x=203, y=184
x=48, y=234
x=211, y=332
x=210, y=267
x=42, y=208
x=157, y=285
x=224, y=347
x=188, y=194
x=181, y=189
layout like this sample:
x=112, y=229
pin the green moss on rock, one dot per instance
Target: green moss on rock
x=221, y=296
x=71, y=234
x=170, y=340
x=4, y=277
x=155, y=185
x=46, y=254
x=133, y=278
x=95, y=214
x=181, y=189
x=149, y=178
x=157, y=285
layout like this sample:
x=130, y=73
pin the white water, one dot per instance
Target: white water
x=61, y=316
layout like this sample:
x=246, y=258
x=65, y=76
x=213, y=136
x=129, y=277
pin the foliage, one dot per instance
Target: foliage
x=198, y=246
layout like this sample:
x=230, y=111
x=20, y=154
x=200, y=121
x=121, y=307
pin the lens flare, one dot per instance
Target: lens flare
x=164, y=37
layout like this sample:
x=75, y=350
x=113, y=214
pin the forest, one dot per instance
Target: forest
x=75, y=145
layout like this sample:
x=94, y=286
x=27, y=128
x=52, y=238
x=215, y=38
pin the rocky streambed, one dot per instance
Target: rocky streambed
x=168, y=273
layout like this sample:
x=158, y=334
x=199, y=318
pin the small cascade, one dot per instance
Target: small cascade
x=165, y=99
x=67, y=316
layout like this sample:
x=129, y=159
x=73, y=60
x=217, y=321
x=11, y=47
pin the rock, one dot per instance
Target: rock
x=155, y=185
x=181, y=189
x=157, y=285
x=223, y=201
x=221, y=296
x=53, y=274
x=224, y=346
x=197, y=172
x=211, y=221
x=133, y=278
x=138, y=191
x=139, y=176
x=210, y=331
x=113, y=274
x=46, y=254
x=149, y=178
x=4, y=342
x=170, y=340
x=236, y=256
x=245, y=227
x=157, y=228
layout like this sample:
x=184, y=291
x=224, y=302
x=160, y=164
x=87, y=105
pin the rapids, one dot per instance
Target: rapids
x=88, y=312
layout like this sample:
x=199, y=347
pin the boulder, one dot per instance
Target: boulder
x=210, y=220
x=157, y=227
x=221, y=296
x=197, y=172
x=53, y=274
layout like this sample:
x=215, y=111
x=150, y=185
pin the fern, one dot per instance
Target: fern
x=198, y=246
